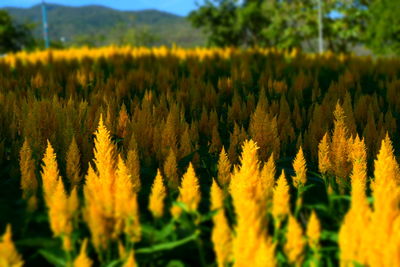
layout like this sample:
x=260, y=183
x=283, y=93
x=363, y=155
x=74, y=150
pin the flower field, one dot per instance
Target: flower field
x=123, y=156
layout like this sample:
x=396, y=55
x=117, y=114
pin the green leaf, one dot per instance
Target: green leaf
x=339, y=197
x=175, y=263
x=167, y=245
x=329, y=235
x=182, y=205
x=52, y=258
x=208, y=216
x=320, y=207
x=37, y=242
x=113, y=263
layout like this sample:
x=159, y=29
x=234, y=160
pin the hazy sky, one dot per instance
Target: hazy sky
x=181, y=7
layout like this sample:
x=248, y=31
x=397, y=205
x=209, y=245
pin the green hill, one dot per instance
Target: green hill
x=98, y=25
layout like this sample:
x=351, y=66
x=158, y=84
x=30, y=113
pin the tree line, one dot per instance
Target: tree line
x=289, y=24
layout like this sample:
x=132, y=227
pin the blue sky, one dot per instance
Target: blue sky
x=180, y=7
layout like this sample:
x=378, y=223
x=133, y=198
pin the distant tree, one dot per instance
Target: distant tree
x=13, y=37
x=383, y=35
x=345, y=23
x=282, y=23
x=219, y=20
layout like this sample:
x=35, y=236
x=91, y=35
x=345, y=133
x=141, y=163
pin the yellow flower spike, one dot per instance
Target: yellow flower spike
x=130, y=261
x=267, y=176
x=300, y=168
x=50, y=174
x=104, y=153
x=281, y=198
x=61, y=214
x=189, y=192
x=29, y=183
x=73, y=164
x=224, y=168
x=221, y=234
x=313, y=231
x=93, y=214
x=9, y=256
x=324, y=162
x=157, y=196
x=295, y=243
x=83, y=260
x=126, y=206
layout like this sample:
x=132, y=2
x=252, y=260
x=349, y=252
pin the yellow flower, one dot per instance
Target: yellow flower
x=83, y=260
x=189, y=191
x=300, y=168
x=126, y=207
x=267, y=177
x=29, y=183
x=281, y=198
x=9, y=256
x=295, y=243
x=221, y=234
x=73, y=164
x=157, y=196
x=324, y=162
x=224, y=168
x=313, y=231
x=50, y=174
x=130, y=261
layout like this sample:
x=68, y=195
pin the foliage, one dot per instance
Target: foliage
x=13, y=36
x=383, y=27
x=294, y=24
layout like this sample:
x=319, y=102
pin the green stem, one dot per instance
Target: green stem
x=201, y=252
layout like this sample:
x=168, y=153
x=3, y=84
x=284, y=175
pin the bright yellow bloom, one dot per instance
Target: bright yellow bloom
x=110, y=203
x=130, y=261
x=324, y=162
x=267, y=177
x=295, y=243
x=281, y=198
x=264, y=255
x=9, y=256
x=61, y=208
x=189, y=191
x=157, y=196
x=126, y=206
x=246, y=183
x=248, y=199
x=386, y=194
x=340, y=147
x=83, y=260
x=50, y=174
x=353, y=242
x=313, y=231
x=300, y=168
x=100, y=224
x=221, y=234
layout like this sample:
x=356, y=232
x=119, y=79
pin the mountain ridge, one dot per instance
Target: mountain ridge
x=99, y=25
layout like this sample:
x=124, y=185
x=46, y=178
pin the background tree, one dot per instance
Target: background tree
x=13, y=37
x=383, y=33
x=284, y=24
x=218, y=18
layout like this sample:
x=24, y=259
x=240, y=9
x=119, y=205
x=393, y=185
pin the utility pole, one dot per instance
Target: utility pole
x=45, y=26
x=320, y=27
